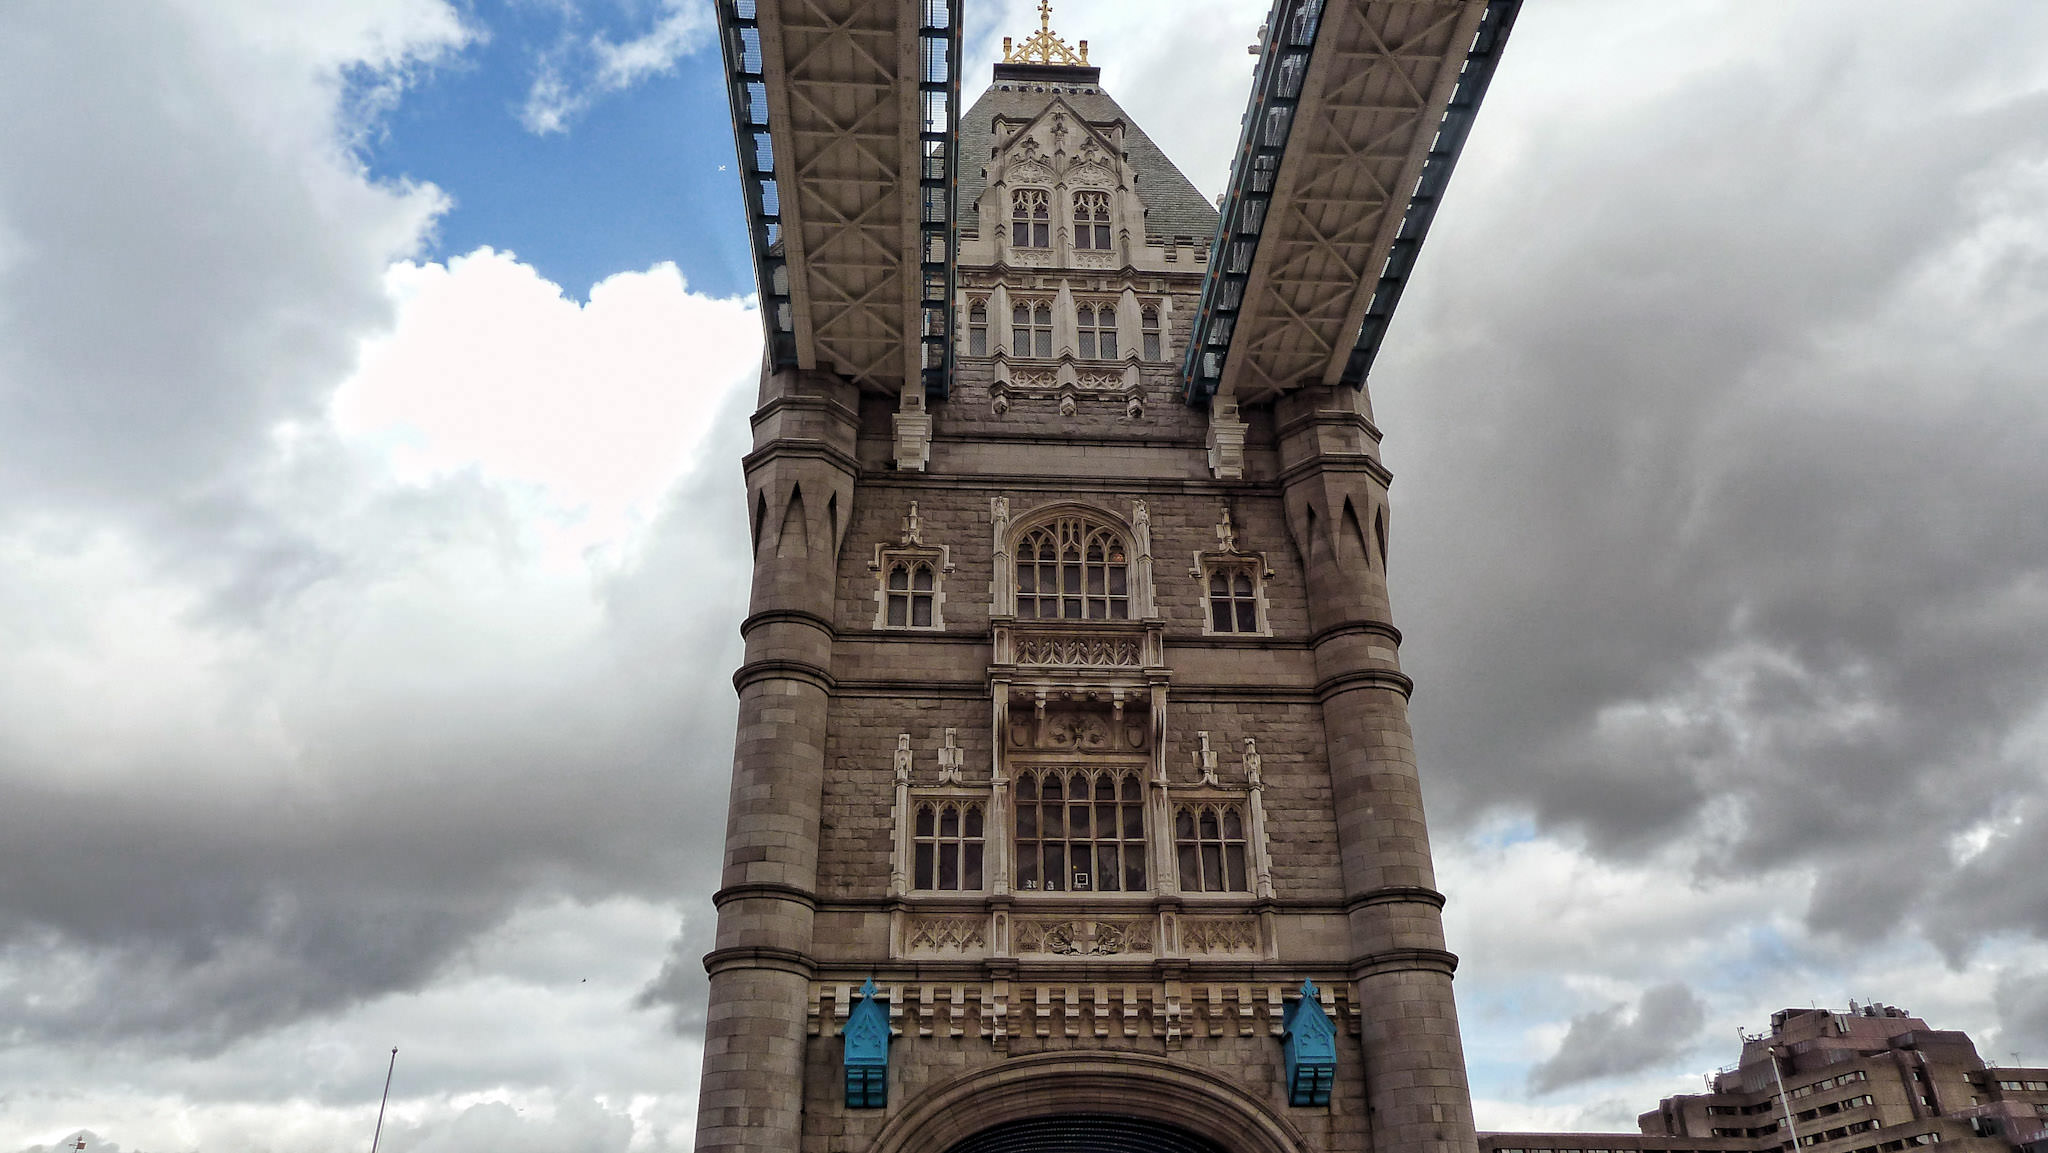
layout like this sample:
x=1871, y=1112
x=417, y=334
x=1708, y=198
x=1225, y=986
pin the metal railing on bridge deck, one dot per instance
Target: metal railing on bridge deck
x=1291, y=32
x=763, y=179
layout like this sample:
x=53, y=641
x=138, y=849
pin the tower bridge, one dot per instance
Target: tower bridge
x=1074, y=805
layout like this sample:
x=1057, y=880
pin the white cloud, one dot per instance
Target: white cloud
x=579, y=70
x=602, y=404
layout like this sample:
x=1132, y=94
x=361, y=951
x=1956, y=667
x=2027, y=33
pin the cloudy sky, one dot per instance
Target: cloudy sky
x=372, y=384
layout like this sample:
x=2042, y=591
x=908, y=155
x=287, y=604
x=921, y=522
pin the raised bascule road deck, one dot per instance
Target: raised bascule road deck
x=847, y=115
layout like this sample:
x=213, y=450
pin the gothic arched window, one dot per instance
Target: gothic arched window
x=911, y=587
x=1030, y=218
x=1209, y=842
x=1091, y=220
x=1031, y=328
x=1096, y=331
x=1148, y=327
x=1080, y=830
x=1073, y=568
x=947, y=844
x=977, y=328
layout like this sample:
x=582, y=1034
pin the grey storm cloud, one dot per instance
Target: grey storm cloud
x=184, y=266
x=1623, y=1039
x=1719, y=429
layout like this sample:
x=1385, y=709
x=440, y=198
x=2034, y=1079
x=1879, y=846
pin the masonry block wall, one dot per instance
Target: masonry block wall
x=1087, y=749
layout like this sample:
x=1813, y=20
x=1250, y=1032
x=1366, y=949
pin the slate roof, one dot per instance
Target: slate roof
x=1173, y=206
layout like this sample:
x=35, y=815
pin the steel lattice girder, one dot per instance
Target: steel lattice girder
x=846, y=112
x=1356, y=119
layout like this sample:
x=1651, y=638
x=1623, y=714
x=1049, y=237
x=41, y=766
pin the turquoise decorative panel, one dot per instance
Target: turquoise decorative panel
x=867, y=1051
x=1310, y=1044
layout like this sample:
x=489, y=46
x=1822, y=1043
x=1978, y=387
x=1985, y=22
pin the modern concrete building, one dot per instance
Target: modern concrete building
x=1074, y=804
x=1869, y=1080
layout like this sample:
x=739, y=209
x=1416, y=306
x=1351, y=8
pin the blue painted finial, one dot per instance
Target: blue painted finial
x=867, y=1051
x=1309, y=1043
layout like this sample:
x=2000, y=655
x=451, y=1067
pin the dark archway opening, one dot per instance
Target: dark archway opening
x=1086, y=1133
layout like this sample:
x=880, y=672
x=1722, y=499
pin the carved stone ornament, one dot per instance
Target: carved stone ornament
x=938, y=934
x=1083, y=938
x=1078, y=731
x=1220, y=934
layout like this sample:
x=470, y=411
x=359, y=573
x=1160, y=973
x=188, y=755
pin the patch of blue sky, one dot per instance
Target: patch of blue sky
x=635, y=173
x=1503, y=832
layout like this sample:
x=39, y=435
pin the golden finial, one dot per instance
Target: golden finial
x=1044, y=46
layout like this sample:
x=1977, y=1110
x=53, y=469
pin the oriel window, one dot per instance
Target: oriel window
x=1096, y=331
x=1080, y=830
x=1031, y=329
x=977, y=328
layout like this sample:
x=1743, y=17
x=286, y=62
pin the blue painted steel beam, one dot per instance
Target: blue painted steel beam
x=1480, y=61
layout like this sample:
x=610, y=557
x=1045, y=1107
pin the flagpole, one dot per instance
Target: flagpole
x=379, y=1134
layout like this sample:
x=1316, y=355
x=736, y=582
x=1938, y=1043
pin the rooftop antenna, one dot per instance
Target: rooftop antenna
x=379, y=1134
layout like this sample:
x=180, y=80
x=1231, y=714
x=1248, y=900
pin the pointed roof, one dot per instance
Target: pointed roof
x=1174, y=206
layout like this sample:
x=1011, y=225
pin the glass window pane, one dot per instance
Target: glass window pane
x=1027, y=786
x=1027, y=823
x=1021, y=316
x=1190, y=869
x=1087, y=344
x=974, y=820
x=1102, y=236
x=1106, y=873
x=1184, y=824
x=923, y=583
x=1234, y=861
x=1045, y=342
x=977, y=342
x=898, y=577
x=1096, y=579
x=1247, y=616
x=1134, y=872
x=1055, y=786
x=1134, y=823
x=898, y=609
x=970, y=871
x=1212, y=866
x=1233, y=825
x=1053, y=820
x=1077, y=822
x=923, y=869
x=1130, y=787
x=1027, y=869
x=1105, y=787
x=949, y=866
x=1151, y=346
x=924, y=820
x=1020, y=234
x=1219, y=612
x=1056, y=866
x=949, y=821
x=1209, y=832
x=921, y=611
x=1242, y=585
x=1117, y=574
x=1119, y=610
x=1040, y=236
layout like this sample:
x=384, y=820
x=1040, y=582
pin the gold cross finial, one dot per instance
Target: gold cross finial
x=1044, y=46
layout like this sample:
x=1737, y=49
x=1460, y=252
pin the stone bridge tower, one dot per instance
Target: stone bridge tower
x=1073, y=721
